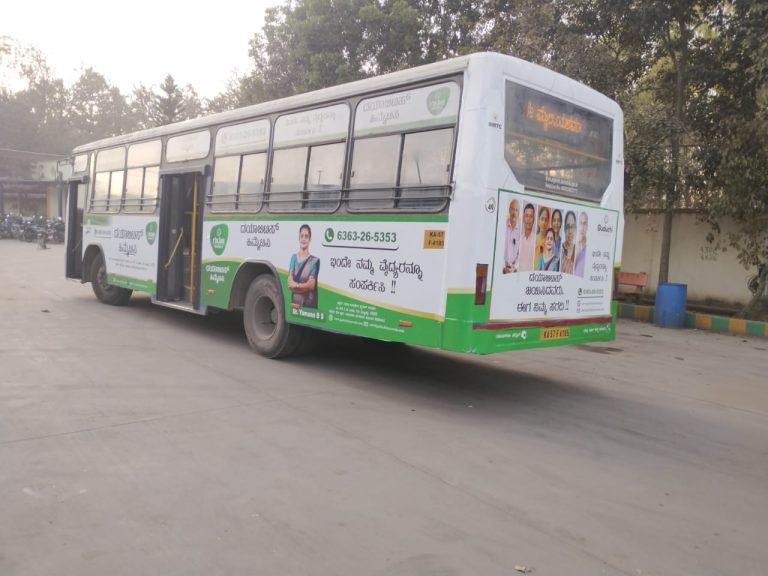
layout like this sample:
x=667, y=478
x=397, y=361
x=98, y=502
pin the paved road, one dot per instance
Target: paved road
x=141, y=440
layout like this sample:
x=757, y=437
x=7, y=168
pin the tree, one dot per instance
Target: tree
x=230, y=97
x=731, y=112
x=46, y=116
x=451, y=27
x=392, y=36
x=312, y=44
x=696, y=116
x=143, y=105
x=192, y=106
x=306, y=45
x=34, y=116
x=98, y=109
x=669, y=38
x=602, y=45
x=18, y=133
x=170, y=103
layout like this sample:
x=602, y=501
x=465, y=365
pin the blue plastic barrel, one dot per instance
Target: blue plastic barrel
x=670, y=305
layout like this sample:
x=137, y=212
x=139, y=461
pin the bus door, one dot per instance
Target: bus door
x=179, y=234
x=74, y=228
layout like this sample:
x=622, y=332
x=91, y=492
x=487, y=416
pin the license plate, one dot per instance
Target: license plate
x=555, y=333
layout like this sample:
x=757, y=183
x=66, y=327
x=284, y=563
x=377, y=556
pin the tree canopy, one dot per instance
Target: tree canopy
x=41, y=115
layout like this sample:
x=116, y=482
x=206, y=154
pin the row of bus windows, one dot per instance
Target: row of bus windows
x=131, y=190
x=139, y=195
x=303, y=164
x=408, y=171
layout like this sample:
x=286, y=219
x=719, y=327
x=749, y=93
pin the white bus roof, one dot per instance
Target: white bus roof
x=359, y=87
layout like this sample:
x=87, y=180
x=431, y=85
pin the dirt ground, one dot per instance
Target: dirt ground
x=142, y=440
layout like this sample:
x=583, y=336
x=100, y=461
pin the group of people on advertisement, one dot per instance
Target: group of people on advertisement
x=554, y=245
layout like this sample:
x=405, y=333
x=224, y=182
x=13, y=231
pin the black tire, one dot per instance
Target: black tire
x=106, y=293
x=264, y=320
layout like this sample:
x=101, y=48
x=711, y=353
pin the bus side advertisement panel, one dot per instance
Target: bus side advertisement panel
x=381, y=279
x=129, y=244
x=552, y=270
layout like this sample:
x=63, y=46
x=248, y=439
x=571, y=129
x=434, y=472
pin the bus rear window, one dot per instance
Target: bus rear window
x=555, y=146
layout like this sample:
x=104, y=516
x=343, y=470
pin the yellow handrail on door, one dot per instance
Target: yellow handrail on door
x=194, y=238
x=173, y=254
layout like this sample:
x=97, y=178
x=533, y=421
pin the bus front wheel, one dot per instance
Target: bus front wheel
x=266, y=327
x=105, y=292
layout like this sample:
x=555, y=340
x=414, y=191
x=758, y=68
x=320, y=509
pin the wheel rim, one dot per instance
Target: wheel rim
x=265, y=317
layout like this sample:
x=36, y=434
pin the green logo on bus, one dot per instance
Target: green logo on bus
x=438, y=100
x=151, y=232
x=219, y=235
x=329, y=234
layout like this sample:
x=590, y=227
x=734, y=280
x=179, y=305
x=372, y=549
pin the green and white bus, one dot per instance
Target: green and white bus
x=472, y=205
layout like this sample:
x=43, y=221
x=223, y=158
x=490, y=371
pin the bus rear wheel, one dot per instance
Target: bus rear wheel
x=264, y=320
x=105, y=292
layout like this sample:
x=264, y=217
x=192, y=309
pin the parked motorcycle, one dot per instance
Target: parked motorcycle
x=55, y=230
x=31, y=228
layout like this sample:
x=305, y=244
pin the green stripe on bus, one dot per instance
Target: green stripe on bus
x=462, y=313
x=132, y=283
x=97, y=220
x=340, y=313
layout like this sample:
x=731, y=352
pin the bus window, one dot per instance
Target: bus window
x=108, y=182
x=134, y=182
x=556, y=146
x=151, y=187
x=100, y=197
x=142, y=177
x=324, y=176
x=238, y=183
x=288, y=167
x=144, y=154
x=374, y=173
x=251, y=189
x=308, y=159
x=426, y=168
x=225, y=176
x=80, y=163
x=193, y=146
x=116, y=191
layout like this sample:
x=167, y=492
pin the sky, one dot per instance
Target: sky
x=140, y=41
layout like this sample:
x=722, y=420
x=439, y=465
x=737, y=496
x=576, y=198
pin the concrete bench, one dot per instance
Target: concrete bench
x=632, y=283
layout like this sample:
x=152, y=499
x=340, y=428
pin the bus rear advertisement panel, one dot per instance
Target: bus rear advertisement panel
x=380, y=278
x=555, y=264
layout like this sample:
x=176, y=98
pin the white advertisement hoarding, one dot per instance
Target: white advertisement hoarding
x=553, y=259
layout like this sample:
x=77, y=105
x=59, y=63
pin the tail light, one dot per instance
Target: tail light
x=481, y=283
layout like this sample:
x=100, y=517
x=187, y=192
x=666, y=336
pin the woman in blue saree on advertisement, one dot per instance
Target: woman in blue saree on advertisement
x=302, y=272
